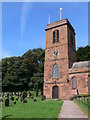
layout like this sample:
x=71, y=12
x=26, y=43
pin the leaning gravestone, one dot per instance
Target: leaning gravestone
x=6, y=102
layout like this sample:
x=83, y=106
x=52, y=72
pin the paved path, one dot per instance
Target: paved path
x=71, y=110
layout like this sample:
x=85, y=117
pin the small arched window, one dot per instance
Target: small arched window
x=74, y=85
x=55, y=71
x=56, y=36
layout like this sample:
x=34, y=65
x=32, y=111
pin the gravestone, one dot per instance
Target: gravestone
x=12, y=98
x=1, y=100
x=6, y=102
x=11, y=94
x=7, y=95
x=29, y=94
x=17, y=97
x=24, y=101
x=43, y=97
x=21, y=98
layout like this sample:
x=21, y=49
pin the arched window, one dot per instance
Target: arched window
x=74, y=85
x=55, y=71
x=56, y=36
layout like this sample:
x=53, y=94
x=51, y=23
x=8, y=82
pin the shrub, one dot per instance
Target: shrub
x=73, y=97
x=84, y=95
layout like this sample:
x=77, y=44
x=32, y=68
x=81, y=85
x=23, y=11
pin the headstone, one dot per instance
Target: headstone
x=11, y=94
x=21, y=98
x=7, y=95
x=2, y=94
x=12, y=98
x=29, y=95
x=43, y=97
x=24, y=101
x=17, y=94
x=6, y=102
x=20, y=94
x=1, y=100
x=17, y=97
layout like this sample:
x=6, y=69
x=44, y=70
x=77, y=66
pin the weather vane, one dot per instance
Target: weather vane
x=60, y=14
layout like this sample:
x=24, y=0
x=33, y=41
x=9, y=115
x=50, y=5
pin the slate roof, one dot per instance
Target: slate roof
x=81, y=64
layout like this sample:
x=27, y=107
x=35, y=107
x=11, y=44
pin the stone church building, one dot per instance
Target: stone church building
x=62, y=74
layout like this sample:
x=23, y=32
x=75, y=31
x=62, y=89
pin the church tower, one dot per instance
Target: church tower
x=59, y=57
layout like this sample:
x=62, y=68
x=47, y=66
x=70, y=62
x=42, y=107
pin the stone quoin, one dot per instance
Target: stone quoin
x=62, y=74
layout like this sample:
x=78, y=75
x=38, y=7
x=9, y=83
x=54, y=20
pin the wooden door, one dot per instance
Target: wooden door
x=55, y=92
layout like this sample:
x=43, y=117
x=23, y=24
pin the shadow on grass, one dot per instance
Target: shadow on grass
x=29, y=118
x=3, y=118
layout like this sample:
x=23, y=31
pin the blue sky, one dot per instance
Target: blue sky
x=23, y=24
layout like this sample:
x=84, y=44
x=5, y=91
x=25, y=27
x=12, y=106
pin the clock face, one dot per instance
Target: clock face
x=55, y=53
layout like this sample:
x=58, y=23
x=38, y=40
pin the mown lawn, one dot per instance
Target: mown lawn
x=85, y=107
x=31, y=109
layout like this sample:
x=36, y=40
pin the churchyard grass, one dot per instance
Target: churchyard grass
x=31, y=109
x=0, y=110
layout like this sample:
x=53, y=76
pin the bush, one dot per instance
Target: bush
x=84, y=95
x=73, y=97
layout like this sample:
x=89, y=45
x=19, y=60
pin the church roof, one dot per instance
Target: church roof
x=81, y=64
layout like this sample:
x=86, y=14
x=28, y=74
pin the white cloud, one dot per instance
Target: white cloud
x=26, y=8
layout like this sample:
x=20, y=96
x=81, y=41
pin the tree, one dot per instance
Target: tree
x=21, y=73
x=83, y=53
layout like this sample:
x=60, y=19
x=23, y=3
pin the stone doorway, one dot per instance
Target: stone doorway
x=55, y=92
